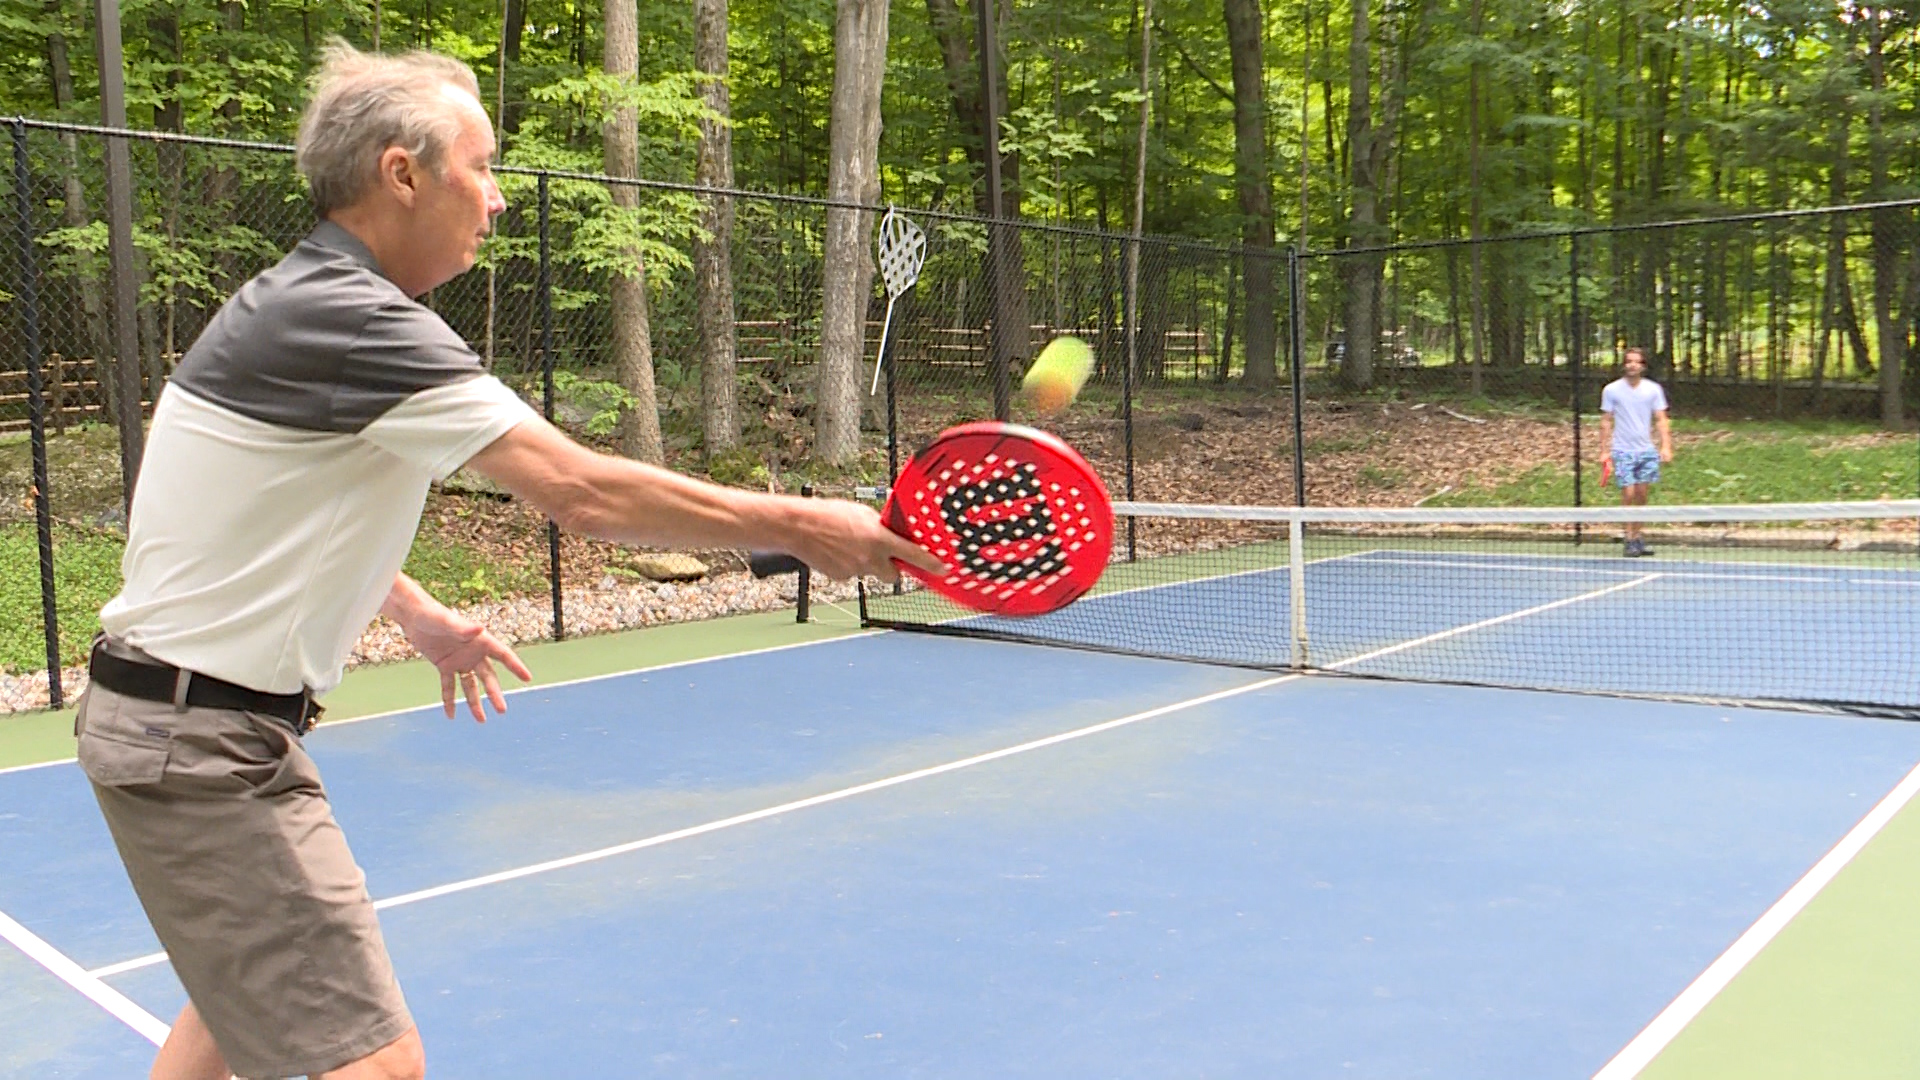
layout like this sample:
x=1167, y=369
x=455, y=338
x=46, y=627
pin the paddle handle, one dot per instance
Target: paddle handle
x=765, y=564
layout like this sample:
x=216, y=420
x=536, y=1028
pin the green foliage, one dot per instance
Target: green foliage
x=86, y=574
x=1709, y=108
x=1761, y=463
x=456, y=574
x=600, y=236
x=739, y=467
x=1379, y=476
x=604, y=402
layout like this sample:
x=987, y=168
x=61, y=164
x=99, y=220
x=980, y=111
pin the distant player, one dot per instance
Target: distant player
x=1633, y=412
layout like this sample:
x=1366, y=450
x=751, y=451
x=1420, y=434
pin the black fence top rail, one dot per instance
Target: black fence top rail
x=22, y=123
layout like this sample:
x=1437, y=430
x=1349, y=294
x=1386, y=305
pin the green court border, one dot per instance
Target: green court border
x=39, y=737
x=1836, y=994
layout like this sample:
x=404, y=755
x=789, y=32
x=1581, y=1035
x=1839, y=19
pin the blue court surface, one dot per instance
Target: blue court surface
x=900, y=855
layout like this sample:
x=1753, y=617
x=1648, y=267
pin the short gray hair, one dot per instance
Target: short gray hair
x=364, y=103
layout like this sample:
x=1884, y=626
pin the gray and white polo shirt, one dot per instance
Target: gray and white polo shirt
x=287, y=466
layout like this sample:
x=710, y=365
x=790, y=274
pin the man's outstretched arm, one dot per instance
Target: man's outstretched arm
x=612, y=498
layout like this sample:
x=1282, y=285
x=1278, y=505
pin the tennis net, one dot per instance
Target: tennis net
x=1802, y=605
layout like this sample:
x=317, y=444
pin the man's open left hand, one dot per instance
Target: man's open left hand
x=465, y=652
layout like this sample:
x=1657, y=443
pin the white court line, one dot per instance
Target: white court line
x=1692, y=575
x=70, y=973
x=1404, y=560
x=1647, y=1045
x=918, y=774
x=510, y=692
x=1560, y=555
x=771, y=811
x=1495, y=621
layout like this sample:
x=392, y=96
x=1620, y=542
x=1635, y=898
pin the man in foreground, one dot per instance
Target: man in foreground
x=285, y=474
x=1633, y=412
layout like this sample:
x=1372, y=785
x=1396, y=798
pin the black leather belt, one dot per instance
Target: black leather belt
x=180, y=688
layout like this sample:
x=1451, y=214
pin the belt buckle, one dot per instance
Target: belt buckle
x=310, y=714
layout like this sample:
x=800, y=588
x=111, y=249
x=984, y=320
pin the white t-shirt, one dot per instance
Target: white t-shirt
x=1632, y=408
x=287, y=466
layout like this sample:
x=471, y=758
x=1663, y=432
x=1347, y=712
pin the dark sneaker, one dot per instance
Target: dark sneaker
x=1644, y=551
x=1632, y=549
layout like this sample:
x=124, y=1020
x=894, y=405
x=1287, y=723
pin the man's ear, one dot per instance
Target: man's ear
x=399, y=174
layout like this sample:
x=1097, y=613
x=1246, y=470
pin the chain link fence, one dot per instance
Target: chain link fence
x=1251, y=377
x=1498, y=350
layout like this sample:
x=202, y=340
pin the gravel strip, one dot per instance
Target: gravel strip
x=613, y=603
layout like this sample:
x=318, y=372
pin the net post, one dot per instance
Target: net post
x=1297, y=580
x=36, y=411
x=546, y=386
x=802, y=614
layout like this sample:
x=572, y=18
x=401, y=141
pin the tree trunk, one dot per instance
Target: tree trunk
x=157, y=331
x=1359, y=275
x=76, y=215
x=223, y=182
x=1371, y=150
x=1890, y=228
x=957, y=53
x=712, y=258
x=1850, y=324
x=853, y=175
x=1829, y=317
x=1476, y=287
x=1453, y=295
x=1133, y=329
x=1225, y=362
x=632, y=332
x=1254, y=182
x=515, y=30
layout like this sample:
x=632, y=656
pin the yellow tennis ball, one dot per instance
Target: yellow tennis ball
x=1057, y=374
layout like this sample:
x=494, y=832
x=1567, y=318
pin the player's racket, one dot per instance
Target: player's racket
x=1021, y=520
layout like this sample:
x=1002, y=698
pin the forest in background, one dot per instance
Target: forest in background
x=1321, y=125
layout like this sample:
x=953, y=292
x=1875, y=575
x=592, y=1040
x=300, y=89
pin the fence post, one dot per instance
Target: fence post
x=1297, y=375
x=1130, y=294
x=546, y=385
x=893, y=413
x=1576, y=350
x=36, y=410
x=803, y=612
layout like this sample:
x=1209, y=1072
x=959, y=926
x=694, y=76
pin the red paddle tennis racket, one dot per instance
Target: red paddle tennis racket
x=1021, y=520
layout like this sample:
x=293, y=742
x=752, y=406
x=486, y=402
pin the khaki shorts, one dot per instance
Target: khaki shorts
x=230, y=842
